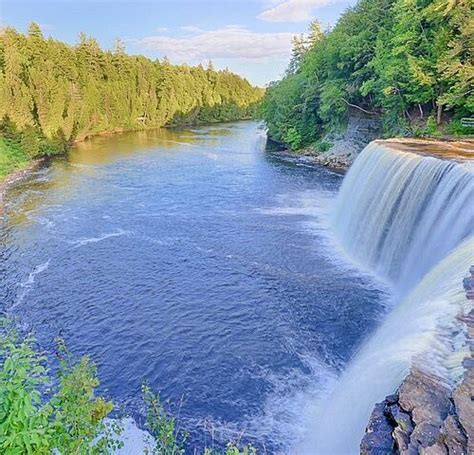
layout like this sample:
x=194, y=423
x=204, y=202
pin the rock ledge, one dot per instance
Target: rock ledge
x=426, y=416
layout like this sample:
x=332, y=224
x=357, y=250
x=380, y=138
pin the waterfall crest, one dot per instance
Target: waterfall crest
x=410, y=218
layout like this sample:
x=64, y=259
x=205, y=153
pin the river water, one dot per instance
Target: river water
x=195, y=261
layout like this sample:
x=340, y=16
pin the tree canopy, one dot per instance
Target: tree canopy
x=410, y=62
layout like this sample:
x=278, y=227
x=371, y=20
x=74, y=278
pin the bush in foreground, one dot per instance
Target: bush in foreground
x=38, y=415
x=42, y=415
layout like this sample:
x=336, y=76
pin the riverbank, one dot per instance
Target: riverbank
x=426, y=415
x=17, y=176
x=339, y=149
x=337, y=158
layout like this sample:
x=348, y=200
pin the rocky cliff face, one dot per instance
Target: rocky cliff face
x=426, y=416
x=347, y=145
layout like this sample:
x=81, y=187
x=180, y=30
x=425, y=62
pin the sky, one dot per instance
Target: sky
x=250, y=37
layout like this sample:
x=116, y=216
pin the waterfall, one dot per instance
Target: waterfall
x=400, y=213
x=409, y=218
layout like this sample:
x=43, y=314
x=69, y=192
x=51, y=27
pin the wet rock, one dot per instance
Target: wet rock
x=436, y=449
x=402, y=440
x=425, y=435
x=422, y=419
x=463, y=397
x=453, y=436
x=402, y=419
x=426, y=416
x=392, y=399
x=425, y=398
x=378, y=440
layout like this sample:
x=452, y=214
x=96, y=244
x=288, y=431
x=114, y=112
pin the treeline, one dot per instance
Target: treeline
x=409, y=62
x=52, y=93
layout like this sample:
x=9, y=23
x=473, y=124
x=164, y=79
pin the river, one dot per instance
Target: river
x=195, y=261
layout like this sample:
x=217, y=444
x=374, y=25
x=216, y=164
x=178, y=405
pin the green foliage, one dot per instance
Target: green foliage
x=168, y=437
x=409, y=61
x=232, y=449
x=24, y=420
x=53, y=93
x=12, y=157
x=431, y=127
x=19, y=147
x=456, y=128
x=293, y=138
x=79, y=414
x=69, y=418
x=323, y=146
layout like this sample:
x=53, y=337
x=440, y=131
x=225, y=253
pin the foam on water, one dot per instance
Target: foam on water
x=27, y=285
x=84, y=241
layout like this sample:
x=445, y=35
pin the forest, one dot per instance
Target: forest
x=52, y=94
x=408, y=62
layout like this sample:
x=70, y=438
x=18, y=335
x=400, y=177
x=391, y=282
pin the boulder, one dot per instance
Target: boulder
x=425, y=398
x=378, y=437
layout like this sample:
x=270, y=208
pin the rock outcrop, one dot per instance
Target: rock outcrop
x=347, y=145
x=426, y=416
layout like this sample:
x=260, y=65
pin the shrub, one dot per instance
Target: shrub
x=69, y=418
x=233, y=449
x=169, y=438
x=323, y=146
x=293, y=138
x=431, y=127
x=456, y=128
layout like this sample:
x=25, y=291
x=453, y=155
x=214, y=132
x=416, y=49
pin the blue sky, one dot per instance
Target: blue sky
x=250, y=37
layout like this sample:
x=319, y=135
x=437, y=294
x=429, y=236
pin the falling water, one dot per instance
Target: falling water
x=401, y=213
x=409, y=218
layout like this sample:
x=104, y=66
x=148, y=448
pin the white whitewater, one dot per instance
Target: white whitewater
x=401, y=213
x=410, y=218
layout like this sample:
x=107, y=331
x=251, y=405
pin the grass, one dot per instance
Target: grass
x=12, y=157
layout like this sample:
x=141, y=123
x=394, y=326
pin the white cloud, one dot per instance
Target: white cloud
x=227, y=42
x=292, y=10
x=162, y=29
x=191, y=29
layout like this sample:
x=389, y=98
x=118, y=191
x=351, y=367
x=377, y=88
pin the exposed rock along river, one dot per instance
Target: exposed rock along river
x=194, y=260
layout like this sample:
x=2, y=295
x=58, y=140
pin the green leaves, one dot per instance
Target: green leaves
x=404, y=59
x=23, y=417
x=69, y=419
x=169, y=437
x=293, y=138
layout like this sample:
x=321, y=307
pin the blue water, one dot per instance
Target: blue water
x=195, y=261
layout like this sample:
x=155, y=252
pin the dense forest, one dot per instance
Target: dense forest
x=52, y=93
x=408, y=62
